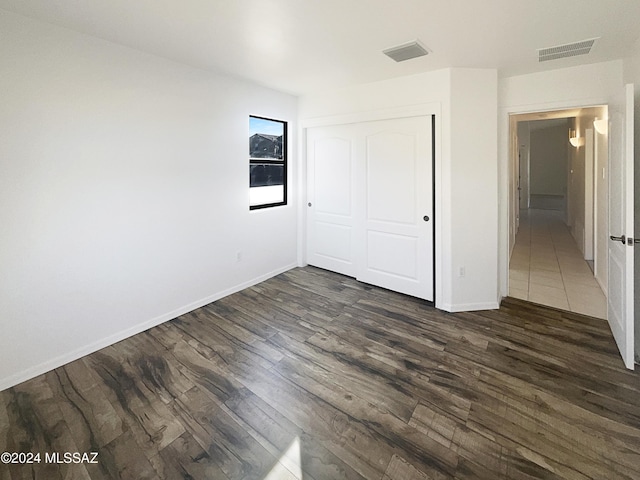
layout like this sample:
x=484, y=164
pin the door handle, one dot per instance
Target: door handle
x=622, y=239
x=426, y=218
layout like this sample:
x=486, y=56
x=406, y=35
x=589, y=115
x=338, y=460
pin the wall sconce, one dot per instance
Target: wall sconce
x=574, y=139
x=601, y=126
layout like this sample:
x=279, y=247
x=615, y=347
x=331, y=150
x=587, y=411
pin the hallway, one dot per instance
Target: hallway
x=546, y=267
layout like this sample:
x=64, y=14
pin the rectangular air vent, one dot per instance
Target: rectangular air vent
x=566, y=50
x=406, y=51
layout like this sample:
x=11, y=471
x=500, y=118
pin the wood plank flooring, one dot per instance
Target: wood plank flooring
x=313, y=375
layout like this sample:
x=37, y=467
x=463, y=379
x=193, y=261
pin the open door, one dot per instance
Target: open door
x=620, y=297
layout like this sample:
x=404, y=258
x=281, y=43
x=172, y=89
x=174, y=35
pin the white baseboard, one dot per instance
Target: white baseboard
x=604, y=290
x=49, y=365
x=470, y=307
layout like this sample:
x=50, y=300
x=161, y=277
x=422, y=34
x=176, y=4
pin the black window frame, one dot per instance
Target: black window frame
x=268, y=161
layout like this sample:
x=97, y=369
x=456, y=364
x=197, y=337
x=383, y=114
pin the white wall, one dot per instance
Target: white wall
x=123, y=193
x=474, y=189
x=601, y=181
x=519, y=188
x=466, y=188
x=582, y=180
x=524, y=151
x=548, y=157
x=576, y=191
x=584, y=85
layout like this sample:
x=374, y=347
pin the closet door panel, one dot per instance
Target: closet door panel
x=396, y=234
x=331, y=210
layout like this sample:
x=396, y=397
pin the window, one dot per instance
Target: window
x=267, y=162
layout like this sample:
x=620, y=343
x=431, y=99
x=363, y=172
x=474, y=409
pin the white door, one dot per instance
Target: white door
x=396, y=236
x=620, y=246
x=330, y=192
x=370, y=205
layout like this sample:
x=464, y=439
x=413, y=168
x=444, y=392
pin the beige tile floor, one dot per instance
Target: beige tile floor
x=546, y=267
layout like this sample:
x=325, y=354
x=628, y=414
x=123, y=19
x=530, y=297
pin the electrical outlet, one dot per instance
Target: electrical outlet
x=461, y=272
x=238, y=256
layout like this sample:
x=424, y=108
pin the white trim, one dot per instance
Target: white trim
x=628, y=167
x=554, y=106
x=419, y=110
x=302, y=197
x=61, y=360
x=589, y=194
x=604, y=290
x=469, y=307
x=597, y=165
x=505, y=168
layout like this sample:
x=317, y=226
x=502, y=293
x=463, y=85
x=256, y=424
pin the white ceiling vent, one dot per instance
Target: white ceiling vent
x=567, y=50
x=406, y=51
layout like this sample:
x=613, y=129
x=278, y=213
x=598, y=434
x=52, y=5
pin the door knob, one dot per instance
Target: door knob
x=309, y=204
x=622, y=239
x=426, y=218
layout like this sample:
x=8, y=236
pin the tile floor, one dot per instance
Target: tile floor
x=546, y=267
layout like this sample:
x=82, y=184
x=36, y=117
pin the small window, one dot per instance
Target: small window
x=267, y=162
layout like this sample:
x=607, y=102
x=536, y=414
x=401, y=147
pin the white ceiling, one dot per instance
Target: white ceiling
x=299, y=46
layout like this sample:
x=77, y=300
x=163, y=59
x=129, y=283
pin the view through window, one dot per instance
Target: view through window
x=267, y=162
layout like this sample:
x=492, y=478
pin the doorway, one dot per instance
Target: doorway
x=558, y=254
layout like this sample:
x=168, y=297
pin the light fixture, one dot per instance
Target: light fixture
x=574, y=139
x=601, y=125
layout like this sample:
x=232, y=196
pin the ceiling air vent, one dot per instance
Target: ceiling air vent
x=406, y=51
x=567, y=50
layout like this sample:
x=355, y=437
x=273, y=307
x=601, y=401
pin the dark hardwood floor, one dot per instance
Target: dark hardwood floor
x=313, y=375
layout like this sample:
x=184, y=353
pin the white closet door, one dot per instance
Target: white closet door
x=395, y=237
x=330, y=193
x=370, y=211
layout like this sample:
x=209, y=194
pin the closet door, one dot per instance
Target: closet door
x=370, y=212
x=395, y=232
x=331, y=198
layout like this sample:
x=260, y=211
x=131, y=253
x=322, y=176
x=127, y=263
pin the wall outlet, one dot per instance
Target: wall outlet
x=461, y=272
x=238, y=256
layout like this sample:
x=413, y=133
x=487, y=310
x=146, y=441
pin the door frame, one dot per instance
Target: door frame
x=589, y=194
x=426, y=109
x=507, y=169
